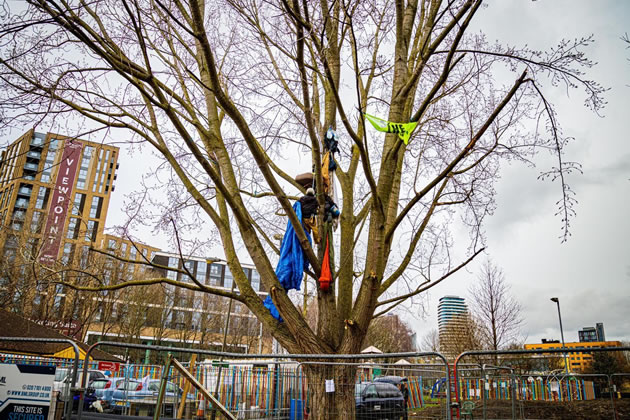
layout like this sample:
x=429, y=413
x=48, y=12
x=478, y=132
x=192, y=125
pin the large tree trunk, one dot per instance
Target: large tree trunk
x=324, y=405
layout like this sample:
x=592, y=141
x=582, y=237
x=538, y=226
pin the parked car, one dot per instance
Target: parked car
x=379, y=400
x=147, y=391
x=63, y=379
x=124, y=391
x=152, y=388
x=104, y=389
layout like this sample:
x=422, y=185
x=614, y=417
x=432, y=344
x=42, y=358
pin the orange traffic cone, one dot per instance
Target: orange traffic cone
x=201, y=407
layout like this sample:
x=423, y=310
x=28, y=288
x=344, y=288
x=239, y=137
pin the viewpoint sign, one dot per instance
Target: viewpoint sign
x=61, y=198
x=25, y=391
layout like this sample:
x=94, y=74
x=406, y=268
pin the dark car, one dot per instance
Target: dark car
x=401, y=382
x=378, y=401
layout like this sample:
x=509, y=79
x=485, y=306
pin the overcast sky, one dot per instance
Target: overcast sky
x=590, y=273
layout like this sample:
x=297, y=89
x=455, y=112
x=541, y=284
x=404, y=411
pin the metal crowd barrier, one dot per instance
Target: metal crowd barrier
x=273, y=357
x=566, y=350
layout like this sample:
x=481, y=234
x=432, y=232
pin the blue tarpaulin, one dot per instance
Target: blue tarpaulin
x=292, y=262
x=268, y=303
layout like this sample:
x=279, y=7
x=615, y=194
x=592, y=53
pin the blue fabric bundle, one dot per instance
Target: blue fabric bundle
x=292, y=262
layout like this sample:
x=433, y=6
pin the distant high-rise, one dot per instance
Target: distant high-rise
x=453, y=324
x=449, y=308
x=590, y=334
x=600, y=331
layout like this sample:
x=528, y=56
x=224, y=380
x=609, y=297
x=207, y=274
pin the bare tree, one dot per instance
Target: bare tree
x=40, y=294
x=431, y=341
x=229, y=107
x=390, y=334
x=496, y=311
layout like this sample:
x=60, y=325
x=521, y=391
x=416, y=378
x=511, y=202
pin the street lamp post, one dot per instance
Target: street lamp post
x=566, y=365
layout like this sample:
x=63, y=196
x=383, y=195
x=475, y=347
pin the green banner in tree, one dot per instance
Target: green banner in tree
x=403, y=130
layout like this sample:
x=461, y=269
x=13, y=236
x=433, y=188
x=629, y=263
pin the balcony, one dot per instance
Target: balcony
x=25, y=191
x=18, y=215
x=21, y=203
x=34, y=154
x=37, y=141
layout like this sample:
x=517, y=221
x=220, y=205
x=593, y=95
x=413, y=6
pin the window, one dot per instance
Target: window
x=9, y=255
x=58, y=303
x=17, y=221
x=32, y=247
x=102, y=178
x=201, y=272
x=111, y=244
x=216, y=274
x=370, y=392
x=50, y=160
x=255, y=280
x=85, y=251
x=37, y=140
x=19, y=215
x=90, y=232
x=73, y=228
x=235, y=324
x=95, y=209
x=196, y=321
x=172, y=262
x=133, y=253
x=227, y=280
x=68, y=253
x=78, y=204
x=107, y=279
x=83, y=169
x=99, y=167
x=42, y=198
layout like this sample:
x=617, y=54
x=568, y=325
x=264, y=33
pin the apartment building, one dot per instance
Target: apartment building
x=595, y=333
x=578, y=361
x=174, y=316
x=54, y=200
x=54, y=196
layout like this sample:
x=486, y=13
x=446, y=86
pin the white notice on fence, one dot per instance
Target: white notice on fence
x=330, y=385
x=478, y=393
x=487, y=386
x=555, y=386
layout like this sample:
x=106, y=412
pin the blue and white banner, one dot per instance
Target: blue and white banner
x=25, y=391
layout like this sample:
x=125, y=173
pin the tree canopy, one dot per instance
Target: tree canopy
x=230, y=94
